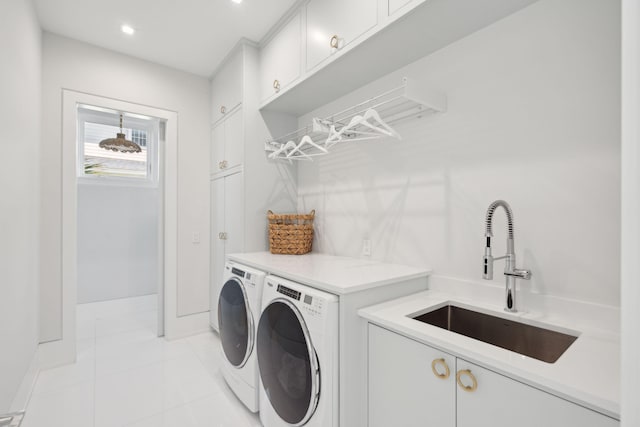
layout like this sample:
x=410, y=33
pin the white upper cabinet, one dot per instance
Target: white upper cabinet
x=217, y=147
x=334, y=24
x=355, y=42
x=280, y=59
x=234, y=140
x=226, y=87
x=227, y=142
x=396, y=5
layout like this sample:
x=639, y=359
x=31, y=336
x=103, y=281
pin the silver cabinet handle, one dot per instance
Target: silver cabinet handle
x=276, y=85
x=223, y=164
x=222, y=236
x=223, y=109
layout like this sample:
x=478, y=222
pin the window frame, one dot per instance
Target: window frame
x=106, y=116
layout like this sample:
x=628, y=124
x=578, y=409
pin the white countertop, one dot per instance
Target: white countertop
x=588, y=373
x=334, y=274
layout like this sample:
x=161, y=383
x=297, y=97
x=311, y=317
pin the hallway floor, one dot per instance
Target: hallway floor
x=126, y=376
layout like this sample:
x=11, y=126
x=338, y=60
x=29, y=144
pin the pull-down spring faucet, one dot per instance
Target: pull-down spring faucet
x=510, y=270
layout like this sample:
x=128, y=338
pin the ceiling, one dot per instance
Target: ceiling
x=190, y=35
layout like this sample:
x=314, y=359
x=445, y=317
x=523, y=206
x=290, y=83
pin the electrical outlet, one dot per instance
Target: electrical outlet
x=195, y=238
x=366, y=247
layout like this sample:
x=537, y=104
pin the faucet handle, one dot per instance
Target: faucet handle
x=521, y=274
x=487, y=273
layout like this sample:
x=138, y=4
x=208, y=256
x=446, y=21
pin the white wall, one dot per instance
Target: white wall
x=117, y=241
x=534, y=118
x=84, y=68
x=20, y=44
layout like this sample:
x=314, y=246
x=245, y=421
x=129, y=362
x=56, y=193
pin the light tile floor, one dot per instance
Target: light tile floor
x=126, y=376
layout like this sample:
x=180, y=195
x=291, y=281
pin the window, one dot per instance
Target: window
x=96, y=124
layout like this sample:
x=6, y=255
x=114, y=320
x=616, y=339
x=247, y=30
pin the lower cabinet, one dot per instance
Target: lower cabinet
x=412, y=384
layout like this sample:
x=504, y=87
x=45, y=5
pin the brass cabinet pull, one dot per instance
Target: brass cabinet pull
x=334, y=41
x=223, y=164
x=276, y=85
x=435, y=363
x=222, y=236
x=223, y=109
x=474, y=383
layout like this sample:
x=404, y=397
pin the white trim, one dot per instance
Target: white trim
x=150, y=124
x=23, y=395
x=284, y=20
x=64, y=350
x=630, y=221
x=236, y=47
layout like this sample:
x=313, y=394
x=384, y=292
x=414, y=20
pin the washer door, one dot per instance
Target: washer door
x=235, y=322
x=287, y=362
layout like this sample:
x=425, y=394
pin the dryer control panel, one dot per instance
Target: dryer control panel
x=310, y=305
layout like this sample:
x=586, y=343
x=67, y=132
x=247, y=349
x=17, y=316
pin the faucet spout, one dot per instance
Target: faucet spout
x=510, y=270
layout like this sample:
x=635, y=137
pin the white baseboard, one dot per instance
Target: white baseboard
x=56, y=353
x=26, y=386
x=186, y=326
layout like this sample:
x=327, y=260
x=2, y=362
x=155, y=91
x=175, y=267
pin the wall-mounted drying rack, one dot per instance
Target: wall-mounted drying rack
x=370, y=119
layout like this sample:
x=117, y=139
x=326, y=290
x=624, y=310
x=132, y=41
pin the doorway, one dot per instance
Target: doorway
x=119, y=205
x=63, y=350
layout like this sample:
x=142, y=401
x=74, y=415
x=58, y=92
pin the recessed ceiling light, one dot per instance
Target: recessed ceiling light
x=127, y=29
x=237, y=1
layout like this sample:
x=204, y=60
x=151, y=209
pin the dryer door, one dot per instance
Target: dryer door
x=235, y=322
x=287, y=362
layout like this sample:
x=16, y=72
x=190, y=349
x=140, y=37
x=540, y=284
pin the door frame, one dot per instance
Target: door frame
x=64, y=350
x=630, y=223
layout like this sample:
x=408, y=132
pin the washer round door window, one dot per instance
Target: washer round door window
x=235, y=322
x=287, y=362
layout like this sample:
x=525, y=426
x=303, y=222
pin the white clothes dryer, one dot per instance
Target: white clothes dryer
x=239, y=303
x=297, y=349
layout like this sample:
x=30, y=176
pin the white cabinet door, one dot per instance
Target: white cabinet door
x=227, y=230
x=227, y=142
x=234, y=213
x=403, y=389
x=226, y=87
x=344, y=19
x=280, y=59
x=395, y=5
x=217, y=245
x=233, y=139
x=499, y=401
x=217, y=147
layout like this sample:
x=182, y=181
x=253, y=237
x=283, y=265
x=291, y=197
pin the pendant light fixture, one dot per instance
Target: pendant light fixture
x=120, y=143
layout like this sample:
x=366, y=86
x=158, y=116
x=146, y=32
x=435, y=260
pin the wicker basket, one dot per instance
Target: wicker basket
x=290, y=234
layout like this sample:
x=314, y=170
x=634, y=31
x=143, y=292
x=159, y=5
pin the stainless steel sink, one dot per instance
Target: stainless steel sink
x=539, y=343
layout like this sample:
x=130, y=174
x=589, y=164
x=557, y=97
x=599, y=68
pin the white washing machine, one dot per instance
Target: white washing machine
x=239, y=303
x=297, y=349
